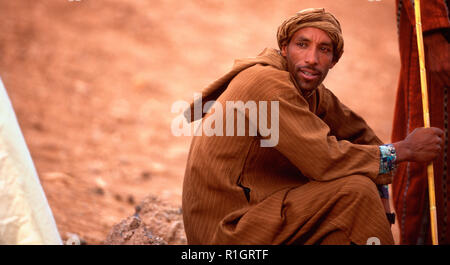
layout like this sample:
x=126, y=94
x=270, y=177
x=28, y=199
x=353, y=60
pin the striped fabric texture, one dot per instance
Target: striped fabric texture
x=316, y=186
x=410, y=186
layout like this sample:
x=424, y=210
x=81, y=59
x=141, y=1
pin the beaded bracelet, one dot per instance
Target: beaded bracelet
x=388, y=156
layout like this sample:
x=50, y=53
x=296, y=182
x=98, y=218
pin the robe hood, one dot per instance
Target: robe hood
x=268, y=56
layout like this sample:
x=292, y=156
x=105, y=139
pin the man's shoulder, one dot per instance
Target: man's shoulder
x=260, y=79
x=263, y=72
x=326, y=94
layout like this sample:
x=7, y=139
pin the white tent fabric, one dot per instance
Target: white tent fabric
x=25, y=216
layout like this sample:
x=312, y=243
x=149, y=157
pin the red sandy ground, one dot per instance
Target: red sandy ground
x=92, y=83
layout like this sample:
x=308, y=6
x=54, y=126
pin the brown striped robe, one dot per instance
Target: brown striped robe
x=316, y=186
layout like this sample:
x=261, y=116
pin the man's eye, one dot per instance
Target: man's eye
x=325, y=49
x=301, y=44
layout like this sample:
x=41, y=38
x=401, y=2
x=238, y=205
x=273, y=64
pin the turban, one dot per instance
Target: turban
x=317, y=18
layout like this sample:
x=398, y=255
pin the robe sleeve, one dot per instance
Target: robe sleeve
x=304, y=138
x=343, y=122
x=347, y=125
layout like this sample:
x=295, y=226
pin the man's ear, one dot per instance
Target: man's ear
x=284, y=50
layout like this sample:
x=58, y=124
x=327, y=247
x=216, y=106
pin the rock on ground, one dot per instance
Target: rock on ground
x=154, y=223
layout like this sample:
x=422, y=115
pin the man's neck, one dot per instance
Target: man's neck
x=305, y=93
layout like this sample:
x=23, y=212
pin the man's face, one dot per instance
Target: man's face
x=309, y=56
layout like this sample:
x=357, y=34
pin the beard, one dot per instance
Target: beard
x=308, y=78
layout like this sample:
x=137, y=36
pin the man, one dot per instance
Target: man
x=317, y=184
x=410, y=186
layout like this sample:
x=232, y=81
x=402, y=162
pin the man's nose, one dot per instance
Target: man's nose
x=311, y=56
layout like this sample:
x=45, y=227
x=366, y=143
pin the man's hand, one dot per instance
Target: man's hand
x=421, y=145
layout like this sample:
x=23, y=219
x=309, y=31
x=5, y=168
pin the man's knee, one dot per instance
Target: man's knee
x=361, y=186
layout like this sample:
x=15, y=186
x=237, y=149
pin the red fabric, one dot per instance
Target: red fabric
x=410, y=185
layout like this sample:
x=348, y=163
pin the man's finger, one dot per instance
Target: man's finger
x=437, y=131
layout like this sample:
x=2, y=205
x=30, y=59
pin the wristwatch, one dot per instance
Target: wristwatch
x=391, y=218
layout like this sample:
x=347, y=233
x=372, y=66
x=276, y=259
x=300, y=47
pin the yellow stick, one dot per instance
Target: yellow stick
x=426, y=119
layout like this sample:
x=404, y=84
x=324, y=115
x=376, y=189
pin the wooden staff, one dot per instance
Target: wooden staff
x=426, y=119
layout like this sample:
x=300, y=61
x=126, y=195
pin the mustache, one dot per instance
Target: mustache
x=309, y=68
